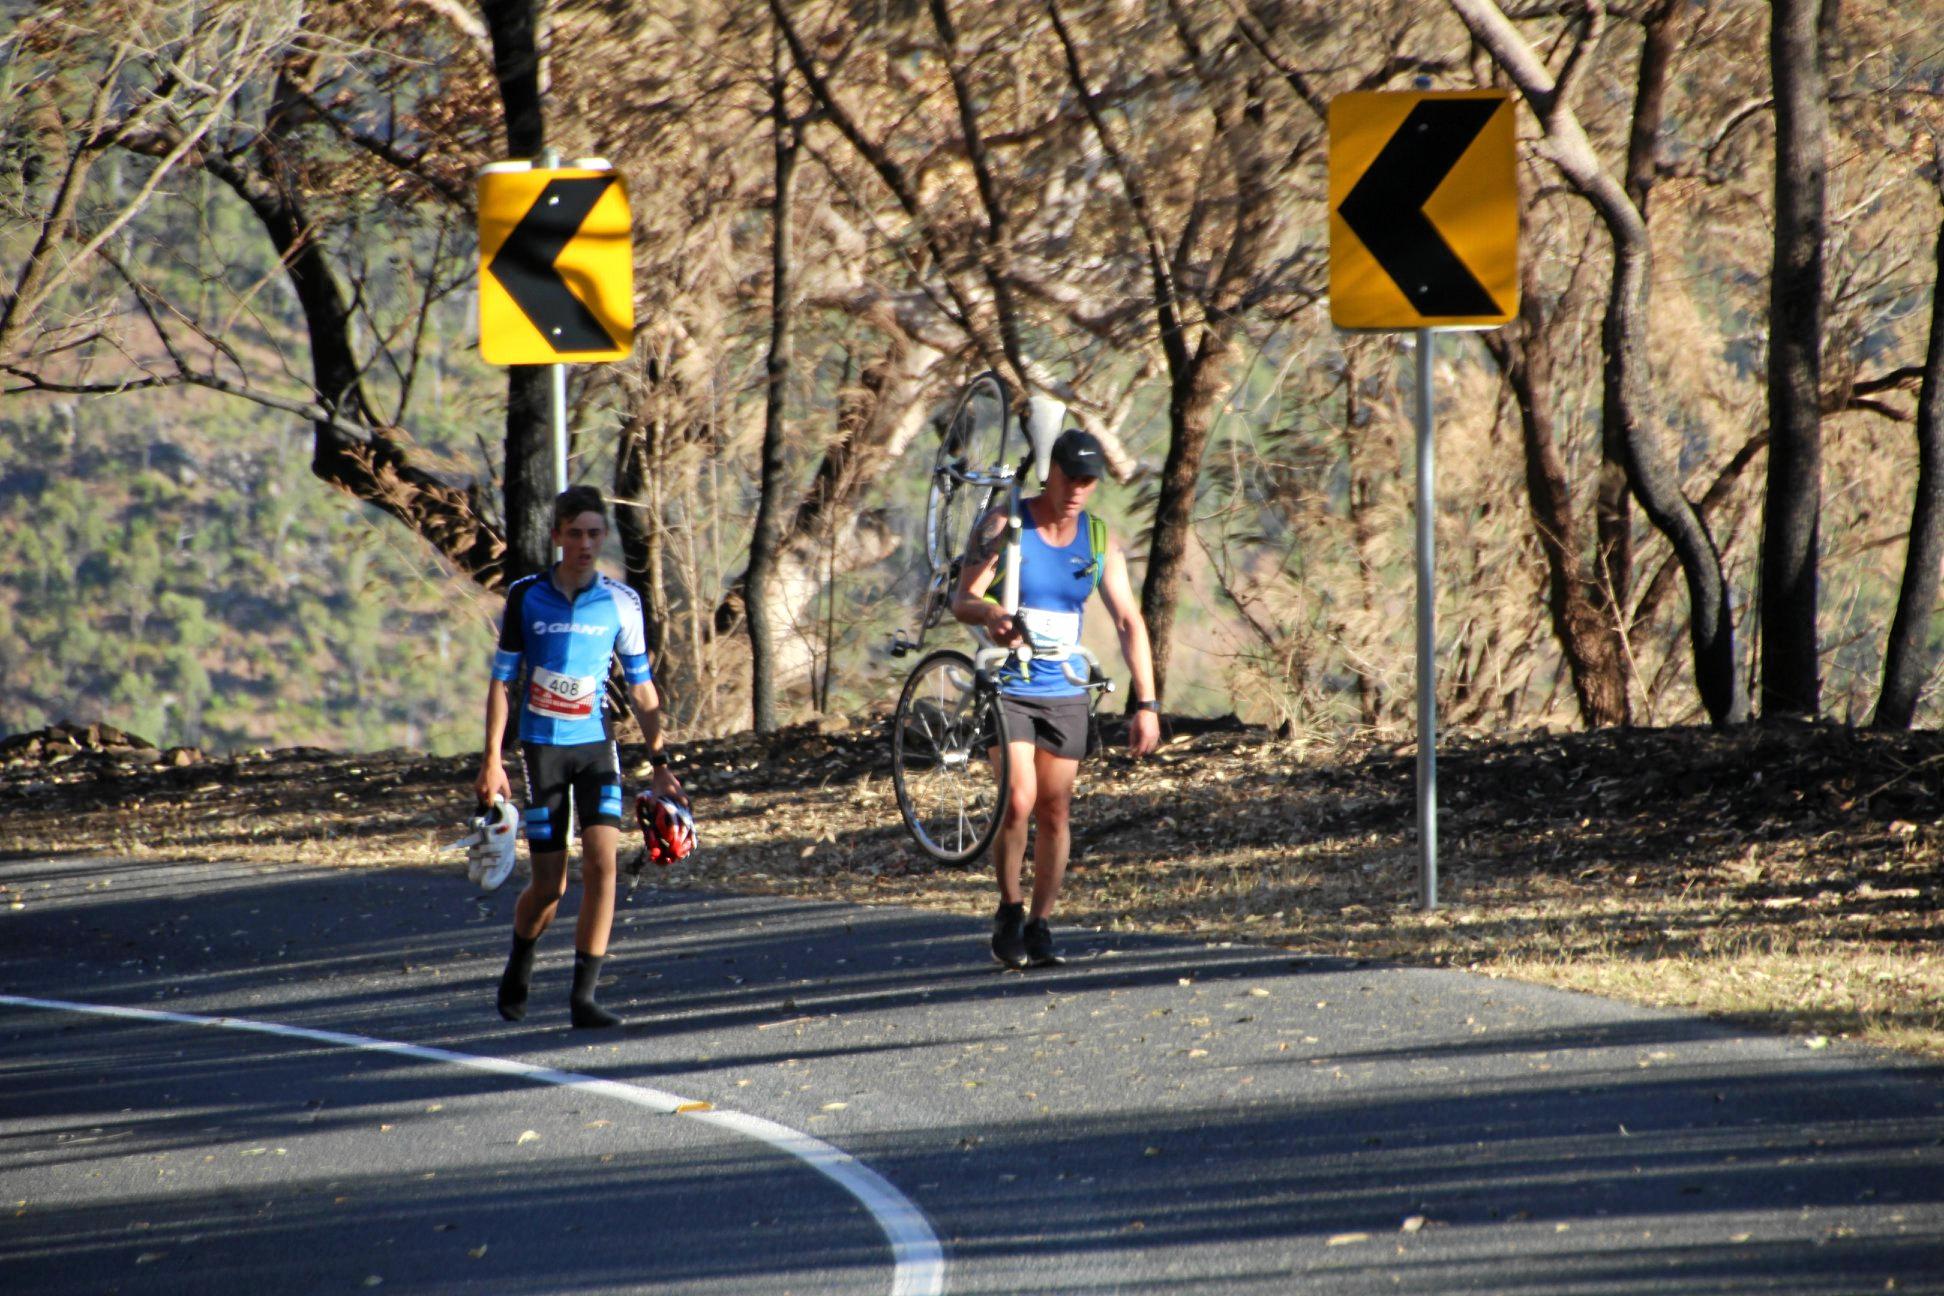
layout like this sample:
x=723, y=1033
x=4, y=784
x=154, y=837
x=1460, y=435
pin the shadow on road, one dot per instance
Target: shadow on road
x=1436, y=1133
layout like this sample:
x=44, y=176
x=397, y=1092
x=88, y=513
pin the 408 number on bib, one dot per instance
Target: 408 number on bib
x=565, y=696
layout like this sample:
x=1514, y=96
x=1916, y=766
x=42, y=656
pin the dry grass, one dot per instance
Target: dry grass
x=1788, y=877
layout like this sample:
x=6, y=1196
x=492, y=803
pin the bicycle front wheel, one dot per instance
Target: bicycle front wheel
x=975, y=441
x=950, y=787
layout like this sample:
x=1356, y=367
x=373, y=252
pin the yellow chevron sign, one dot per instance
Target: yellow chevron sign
x=1424, y=210
x=556, y=265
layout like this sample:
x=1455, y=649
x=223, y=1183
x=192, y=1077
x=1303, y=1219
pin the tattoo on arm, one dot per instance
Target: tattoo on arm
x=987, y=539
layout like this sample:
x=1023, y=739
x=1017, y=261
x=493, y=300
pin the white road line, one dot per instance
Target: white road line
x=918, y=1261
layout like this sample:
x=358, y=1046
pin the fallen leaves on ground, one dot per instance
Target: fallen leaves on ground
x=1784, y=874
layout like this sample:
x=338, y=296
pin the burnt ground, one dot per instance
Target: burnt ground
x=1788, y=875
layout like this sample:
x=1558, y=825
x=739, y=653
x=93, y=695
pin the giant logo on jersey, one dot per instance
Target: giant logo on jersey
x=570, y=627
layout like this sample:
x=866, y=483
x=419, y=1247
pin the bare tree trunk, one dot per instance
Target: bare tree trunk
x=1612, y=522
x=1657, y=485
x=529, y=479
x=1198, y=386
x=1792, y=510
x=1661, y=584
x=1613, y=514
x=1363, y=535
x=637, y=521
x=1657, y=49
x=1624, y=385
x=1588, y=635
x=1909, y=657
x=1194, y=392
x=763, y=611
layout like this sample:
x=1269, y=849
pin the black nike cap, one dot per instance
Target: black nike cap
x=1079, y=454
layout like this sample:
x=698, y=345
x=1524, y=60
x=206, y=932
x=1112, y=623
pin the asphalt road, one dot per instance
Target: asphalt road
x=1158, y=1117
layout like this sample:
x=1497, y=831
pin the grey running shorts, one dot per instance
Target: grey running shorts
x=1056, y=725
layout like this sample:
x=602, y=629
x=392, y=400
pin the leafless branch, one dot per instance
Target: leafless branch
x=415, y=166
x=884, y=165
x=1896, y=380
x=1167, y=297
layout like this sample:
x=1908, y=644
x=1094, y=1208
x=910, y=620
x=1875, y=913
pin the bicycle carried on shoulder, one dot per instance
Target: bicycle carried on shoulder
x=949, y=763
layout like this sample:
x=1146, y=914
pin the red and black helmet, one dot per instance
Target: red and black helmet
x=668, y=826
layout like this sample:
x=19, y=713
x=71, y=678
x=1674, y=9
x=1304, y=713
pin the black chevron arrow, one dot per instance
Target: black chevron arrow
x=1385, y=209
x=524, y=264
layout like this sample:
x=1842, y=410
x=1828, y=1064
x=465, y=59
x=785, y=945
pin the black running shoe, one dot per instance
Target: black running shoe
x=1038, y=940
x=1009, y=936
x=586, y=1014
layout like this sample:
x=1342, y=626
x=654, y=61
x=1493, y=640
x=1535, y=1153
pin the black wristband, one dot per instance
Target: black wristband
x=1152, y=704
x=657, y=759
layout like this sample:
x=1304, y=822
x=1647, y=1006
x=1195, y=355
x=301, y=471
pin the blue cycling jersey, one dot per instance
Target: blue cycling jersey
x=562, y=645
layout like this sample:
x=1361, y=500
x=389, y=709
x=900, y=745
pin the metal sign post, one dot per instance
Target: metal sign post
x=557, y=381
x=1427, y=631
x=1424, y=235
x=558, y=373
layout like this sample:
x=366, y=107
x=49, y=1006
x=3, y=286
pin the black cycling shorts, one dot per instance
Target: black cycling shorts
x=591, y=771
x=1059, y=726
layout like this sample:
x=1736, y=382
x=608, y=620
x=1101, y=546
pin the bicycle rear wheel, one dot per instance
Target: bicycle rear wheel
x=950, y=791
x=976, y=440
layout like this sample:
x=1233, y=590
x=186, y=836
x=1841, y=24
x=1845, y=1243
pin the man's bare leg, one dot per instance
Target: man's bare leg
x=599, y=847
x=1052, y=813
x=1009, y=854
x=1052, y=839
x=1015, y=820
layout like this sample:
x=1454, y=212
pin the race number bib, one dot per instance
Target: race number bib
x=565, y=697
x=1052, y=634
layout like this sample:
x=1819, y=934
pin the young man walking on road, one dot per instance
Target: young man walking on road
x=557, y=635
x=1044, y=713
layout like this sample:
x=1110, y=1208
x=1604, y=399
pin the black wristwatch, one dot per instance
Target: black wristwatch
x=1152, y=704
x=657, y=759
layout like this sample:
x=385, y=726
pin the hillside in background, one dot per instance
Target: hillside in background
x=174, y=568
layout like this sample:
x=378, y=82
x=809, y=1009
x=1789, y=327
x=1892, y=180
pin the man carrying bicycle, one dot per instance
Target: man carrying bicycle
x=1064, y=556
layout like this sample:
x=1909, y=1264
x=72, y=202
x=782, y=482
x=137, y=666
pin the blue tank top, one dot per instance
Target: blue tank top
x=1054, y=582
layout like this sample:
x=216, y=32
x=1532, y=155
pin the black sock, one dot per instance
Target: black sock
x=515, y=980
x=580, y=1005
